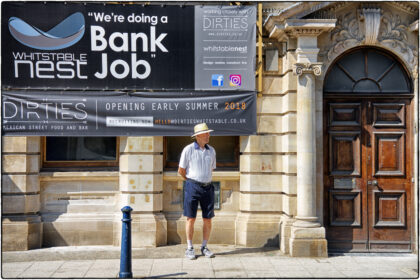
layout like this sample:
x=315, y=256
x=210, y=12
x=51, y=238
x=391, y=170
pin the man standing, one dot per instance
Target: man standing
x=196, y=165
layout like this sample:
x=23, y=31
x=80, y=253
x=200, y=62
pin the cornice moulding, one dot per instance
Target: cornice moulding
x=301, y=27
x=289, y=12
x=404, y=6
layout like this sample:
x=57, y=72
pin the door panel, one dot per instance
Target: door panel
x=345, y=153
x=367, y=175
x=345, y=114
x=389, y=153
x=345, y=208
x=389, y=209
x=389, y=114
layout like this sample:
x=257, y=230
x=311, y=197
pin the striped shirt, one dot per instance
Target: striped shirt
x=198, y=163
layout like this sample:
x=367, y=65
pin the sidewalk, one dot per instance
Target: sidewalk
x=230, y=262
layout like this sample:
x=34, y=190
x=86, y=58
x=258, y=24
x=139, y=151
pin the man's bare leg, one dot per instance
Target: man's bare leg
x=189, y=229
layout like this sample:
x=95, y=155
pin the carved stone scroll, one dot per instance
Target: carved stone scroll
x=383, y=28
x=308, y=68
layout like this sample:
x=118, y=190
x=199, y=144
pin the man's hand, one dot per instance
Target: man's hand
x=182, y=172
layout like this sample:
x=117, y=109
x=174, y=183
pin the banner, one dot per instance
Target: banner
x=64, y=113
x=225, y=47
x=105, y=46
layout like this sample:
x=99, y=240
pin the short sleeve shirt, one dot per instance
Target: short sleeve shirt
x=198, y=163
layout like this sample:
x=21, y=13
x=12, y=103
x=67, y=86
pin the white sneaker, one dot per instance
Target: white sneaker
x=190, y=254
x=206, y=252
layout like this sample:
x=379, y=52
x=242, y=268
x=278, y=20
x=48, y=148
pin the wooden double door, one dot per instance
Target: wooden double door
x=368, y=174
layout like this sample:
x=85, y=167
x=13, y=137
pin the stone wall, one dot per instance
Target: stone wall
x=21, y=223
x=141, y=165
x=268, y=163
x=79, y=208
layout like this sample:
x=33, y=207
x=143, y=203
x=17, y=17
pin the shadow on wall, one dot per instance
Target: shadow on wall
x=273, y=242
x=52, y=236
x=53, y=206
x=21, y=224
x=175, y=227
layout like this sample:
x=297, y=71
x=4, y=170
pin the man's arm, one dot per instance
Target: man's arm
x=182, y=172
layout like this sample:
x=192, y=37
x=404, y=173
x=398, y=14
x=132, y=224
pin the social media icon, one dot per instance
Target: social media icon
x=235, y=80
x=217, y=80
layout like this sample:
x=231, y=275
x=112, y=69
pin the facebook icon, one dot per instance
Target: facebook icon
x=217, y=80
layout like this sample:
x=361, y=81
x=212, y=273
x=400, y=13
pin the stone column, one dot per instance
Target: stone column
x=307, y=235
x=306, y=145
x=21, y=222
x=141, y=188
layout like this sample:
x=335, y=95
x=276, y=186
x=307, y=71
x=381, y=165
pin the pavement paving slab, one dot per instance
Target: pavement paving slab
x=139, y=273
x=41, y=269
x=198, y=274
x=262, y=273
x=230, y=262
x=73, y=269
x=226, y=264
x=198, y=264
x=230, y=274
x=357, y=274
x=140, y=264
x=261, y=263
x=325, y=273
x=12, y=270
x=294, y=274
x=102, y=273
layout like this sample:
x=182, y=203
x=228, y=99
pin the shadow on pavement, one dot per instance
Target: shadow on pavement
x=169, y=275
x=240, y=251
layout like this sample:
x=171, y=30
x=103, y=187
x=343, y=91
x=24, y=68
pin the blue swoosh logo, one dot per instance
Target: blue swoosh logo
x=65, y=34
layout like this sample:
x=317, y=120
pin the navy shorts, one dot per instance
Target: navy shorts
x=195, y=193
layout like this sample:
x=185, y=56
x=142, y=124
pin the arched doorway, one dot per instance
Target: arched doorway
x=368, y=153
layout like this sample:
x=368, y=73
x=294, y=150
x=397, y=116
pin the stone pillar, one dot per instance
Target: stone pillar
x=306, y=145
x=21, y=223
x=141, y=183
x=307, y=236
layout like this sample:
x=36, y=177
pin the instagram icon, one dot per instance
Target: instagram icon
x=235, y=80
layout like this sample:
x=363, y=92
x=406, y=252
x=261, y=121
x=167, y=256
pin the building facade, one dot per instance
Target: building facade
x=332, y=166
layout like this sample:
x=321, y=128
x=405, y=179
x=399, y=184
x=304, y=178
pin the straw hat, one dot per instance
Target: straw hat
x=200, y=129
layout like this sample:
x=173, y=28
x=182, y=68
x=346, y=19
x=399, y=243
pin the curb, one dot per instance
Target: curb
x=113, y=252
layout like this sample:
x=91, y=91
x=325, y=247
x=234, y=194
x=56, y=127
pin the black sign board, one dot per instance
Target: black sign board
x=119, y=114
x=59, y=45
x=102, y=46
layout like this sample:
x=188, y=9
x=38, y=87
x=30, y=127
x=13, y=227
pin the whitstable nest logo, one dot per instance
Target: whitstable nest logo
x=63, y=35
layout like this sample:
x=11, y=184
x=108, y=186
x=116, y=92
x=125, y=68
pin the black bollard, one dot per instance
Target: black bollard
x=125, y=262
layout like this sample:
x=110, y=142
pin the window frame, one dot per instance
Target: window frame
x=364, y=50
x=220, y=166
x=79, y=163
